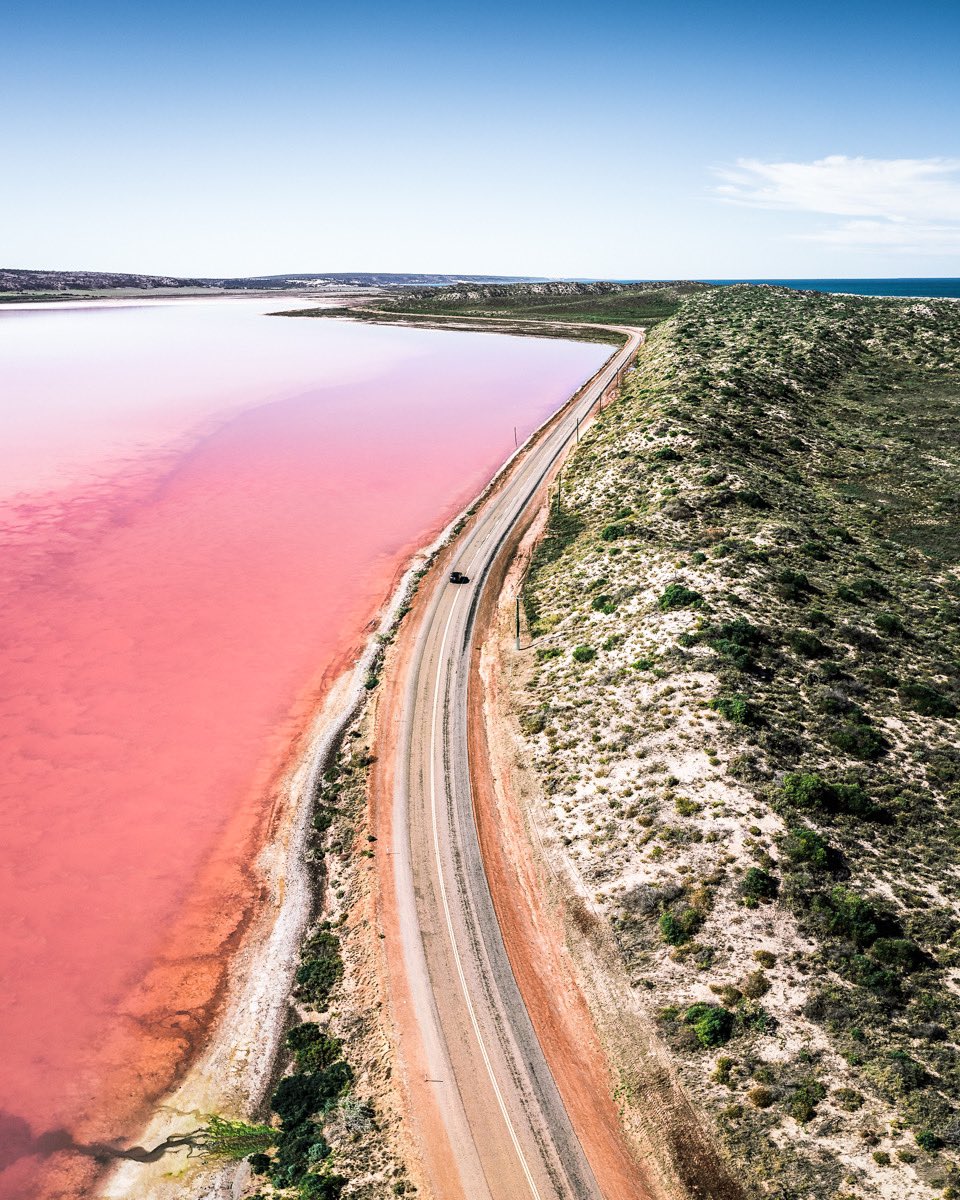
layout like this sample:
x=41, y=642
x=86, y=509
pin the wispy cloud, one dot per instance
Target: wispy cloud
x=893, y=203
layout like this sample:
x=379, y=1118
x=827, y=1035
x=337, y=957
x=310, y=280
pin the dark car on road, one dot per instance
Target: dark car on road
x=458, y=577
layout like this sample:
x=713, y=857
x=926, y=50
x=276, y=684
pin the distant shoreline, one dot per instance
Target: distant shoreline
x=62, y=286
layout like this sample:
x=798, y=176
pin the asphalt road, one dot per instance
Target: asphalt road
x=501, y=1114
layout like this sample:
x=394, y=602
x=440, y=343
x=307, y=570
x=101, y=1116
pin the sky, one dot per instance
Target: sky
x=615, y=140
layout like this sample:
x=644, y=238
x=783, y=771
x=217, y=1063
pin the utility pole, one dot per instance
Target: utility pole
x=578, y=429
x=518, y=620
x=516, y=444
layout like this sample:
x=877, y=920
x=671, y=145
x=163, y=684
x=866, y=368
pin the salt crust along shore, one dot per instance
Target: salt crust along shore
x=232, y=1073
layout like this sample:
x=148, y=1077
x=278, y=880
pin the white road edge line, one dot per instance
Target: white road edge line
x=450, y=931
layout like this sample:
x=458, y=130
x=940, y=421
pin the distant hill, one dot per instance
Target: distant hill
x=17, y=280
x=642, y=303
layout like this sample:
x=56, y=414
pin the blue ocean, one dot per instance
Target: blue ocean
x=866, y=287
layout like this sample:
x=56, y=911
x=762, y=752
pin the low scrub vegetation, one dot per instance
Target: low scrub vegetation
x=755, y=771
x=326, y=1139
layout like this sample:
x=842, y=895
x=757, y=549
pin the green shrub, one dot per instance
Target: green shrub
x=737, y=641
x=808, y=644
x=617, y=530
x=902, y=954
x=322, y=1187
x=712, y=1024
x=604, y=604
x=735, y=708
x=871, y=975
x=757, y=885
x=678, y=595
x=313, y=1050
x=666, y=454
x=869, y=589
x=297, y=1098
x=803, y=845
x=811, y=792
x=847, y=1099
x=847, y=915
x=676, y=929
x=927, y=701
x=792, y=585
x=802, y=1104
x=584, y=654
x=881, y=677
x=889, y=623
x=320, y=968
x=859, y=740
x=928, y=1140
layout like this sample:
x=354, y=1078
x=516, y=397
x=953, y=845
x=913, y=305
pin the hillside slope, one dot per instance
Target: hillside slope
x=746, y=616
x=16, y=280
x=619, y=303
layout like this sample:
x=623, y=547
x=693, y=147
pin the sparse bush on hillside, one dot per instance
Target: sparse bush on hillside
x=604, y=604
x=802, y=845
x=758, y=885
x=735, y=708
x=792, y=585
x=678, y=928
x=927, y=700
x=712, y=1024
x=859, y=739
x=678, y=595
x=737, y=641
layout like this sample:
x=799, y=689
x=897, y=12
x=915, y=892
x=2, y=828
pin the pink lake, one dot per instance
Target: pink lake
x=201, y=510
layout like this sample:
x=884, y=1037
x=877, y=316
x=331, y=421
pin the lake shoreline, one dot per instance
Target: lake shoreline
x=233, y=1072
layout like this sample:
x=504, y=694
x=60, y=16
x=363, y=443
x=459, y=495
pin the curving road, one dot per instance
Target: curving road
x=501, y=1119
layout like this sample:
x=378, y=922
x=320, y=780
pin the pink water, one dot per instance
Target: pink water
x=201, y=510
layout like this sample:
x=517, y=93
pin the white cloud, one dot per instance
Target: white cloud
x=894, y=203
